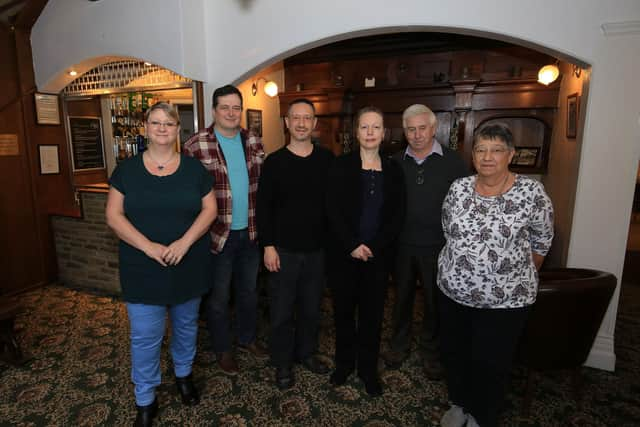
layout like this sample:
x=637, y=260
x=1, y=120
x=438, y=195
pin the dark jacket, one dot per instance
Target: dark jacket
x=344, y=206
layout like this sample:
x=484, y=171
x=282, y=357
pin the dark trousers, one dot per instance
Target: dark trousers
x=239, y=260
x=478, y=346
x=295, y=294
x=358, y=290
x=408, y=265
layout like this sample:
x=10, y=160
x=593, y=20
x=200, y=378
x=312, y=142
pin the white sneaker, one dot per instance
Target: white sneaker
x=454, y=417
x=471, y=422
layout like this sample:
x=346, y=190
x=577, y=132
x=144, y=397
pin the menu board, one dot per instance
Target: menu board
x=86, y=143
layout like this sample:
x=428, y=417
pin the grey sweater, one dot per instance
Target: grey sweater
x=422, y=226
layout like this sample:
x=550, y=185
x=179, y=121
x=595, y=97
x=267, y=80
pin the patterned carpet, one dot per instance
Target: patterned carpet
x=78, y=375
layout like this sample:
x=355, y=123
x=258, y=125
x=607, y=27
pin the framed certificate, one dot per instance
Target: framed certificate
x=47, y=111
x=49, y=159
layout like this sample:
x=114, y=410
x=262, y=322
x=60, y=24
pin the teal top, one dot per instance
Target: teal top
x=233, y=151
x=163, y=208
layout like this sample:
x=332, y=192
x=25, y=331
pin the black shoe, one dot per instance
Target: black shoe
x=315, y=365
x=187, y=390
x=372, y=385
x=284, y=377
x=340, y=376
x=394, y=359
x=146, y=414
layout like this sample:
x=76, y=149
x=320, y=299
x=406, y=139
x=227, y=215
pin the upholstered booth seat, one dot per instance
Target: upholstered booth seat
x=563, y=322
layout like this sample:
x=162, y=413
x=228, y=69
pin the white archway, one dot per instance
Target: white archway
x=221, y=42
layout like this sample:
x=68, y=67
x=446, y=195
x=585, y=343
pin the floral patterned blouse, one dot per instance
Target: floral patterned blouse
x=487, y=259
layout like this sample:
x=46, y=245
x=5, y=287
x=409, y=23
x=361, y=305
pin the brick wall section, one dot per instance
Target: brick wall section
x=87, y=250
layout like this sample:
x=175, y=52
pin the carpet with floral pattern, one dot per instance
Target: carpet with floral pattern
x=78, y=375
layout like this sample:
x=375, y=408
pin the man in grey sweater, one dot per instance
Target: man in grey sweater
x=429, y=169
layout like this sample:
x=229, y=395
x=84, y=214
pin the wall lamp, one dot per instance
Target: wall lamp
x=548, y=74
x=577, y=71
x=270, y=87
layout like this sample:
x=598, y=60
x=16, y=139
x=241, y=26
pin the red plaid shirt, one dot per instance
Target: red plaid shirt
x=204, y=147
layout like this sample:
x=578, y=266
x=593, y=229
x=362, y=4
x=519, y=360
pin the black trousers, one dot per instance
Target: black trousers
x=358, y=290
x=478, y=346
x=408, y=265
x=295, y=294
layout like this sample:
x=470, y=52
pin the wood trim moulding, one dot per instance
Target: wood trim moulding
x=326, y=101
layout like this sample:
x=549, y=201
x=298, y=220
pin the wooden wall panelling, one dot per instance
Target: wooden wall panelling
x=310, y=76
x=20, y=243
x=456, y=77
x=8, y=70
x=515, y=94
x=26, y=197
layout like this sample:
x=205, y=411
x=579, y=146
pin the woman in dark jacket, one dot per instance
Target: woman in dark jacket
x=365, y=205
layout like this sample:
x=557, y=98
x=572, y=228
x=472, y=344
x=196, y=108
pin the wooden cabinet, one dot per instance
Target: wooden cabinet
x=464, y=88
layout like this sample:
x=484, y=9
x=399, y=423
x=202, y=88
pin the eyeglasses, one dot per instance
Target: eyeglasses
x=497, y=151
x=169, y=125
x=420, y=176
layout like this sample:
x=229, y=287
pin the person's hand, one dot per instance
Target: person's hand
x=362, y=252
x=174, y=253
x=271, y=259
x=155, y=251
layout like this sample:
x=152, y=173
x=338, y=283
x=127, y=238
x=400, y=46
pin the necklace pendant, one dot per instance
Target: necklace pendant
x=160, y=167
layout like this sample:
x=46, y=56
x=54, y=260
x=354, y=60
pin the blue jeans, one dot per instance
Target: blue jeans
x=239, y=260
x=147, y=324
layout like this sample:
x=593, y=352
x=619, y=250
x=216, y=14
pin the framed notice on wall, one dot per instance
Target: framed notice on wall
x=49, y=159
x=47, y=111
x=87, y=148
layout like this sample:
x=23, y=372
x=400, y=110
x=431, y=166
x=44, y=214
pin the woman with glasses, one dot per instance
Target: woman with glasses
x=498, y=227
x=365, y=206
x=161, y=205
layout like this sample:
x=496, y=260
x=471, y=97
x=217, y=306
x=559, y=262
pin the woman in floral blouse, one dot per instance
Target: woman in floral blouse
x=498, y=227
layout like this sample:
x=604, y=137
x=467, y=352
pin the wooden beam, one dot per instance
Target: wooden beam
x=11, y=4
x=29, y=14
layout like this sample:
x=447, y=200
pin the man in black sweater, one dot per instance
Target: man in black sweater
x=429, y=169
x=291, y=228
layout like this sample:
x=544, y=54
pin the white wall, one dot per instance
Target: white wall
x=80, y=34
x=241, y=36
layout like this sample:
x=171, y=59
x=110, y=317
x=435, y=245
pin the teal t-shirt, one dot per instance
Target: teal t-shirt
x=233, y=151
x=163, y=208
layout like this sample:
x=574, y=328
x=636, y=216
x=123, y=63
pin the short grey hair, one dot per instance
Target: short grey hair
x=417, y=109
x=495, y=132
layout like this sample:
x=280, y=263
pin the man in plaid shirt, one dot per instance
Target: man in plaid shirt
x=234, y=157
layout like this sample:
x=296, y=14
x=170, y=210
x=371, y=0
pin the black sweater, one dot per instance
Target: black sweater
x=423, y=223
x=344, y=205
x=290, y=205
